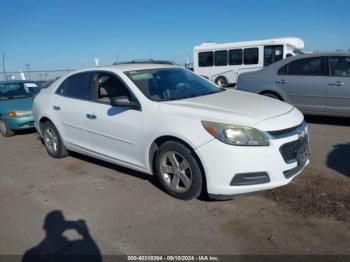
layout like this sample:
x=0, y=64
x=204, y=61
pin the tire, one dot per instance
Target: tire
x=221, y=81
x=5, y=130
x=178, y=171
x=271, y=95
x=52, y=141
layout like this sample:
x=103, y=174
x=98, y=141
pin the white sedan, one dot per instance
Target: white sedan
x=165, y=120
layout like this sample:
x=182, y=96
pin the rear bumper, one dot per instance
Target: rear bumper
x=19, y=123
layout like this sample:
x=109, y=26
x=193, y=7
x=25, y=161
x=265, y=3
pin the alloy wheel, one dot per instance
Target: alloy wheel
x=176, y=171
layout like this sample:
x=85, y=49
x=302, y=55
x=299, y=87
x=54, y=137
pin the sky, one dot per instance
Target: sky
x=69, y=34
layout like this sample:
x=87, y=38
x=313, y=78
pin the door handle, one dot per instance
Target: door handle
x=338, y=83
x=283, y=81
x=91, y=116
x=57, y=108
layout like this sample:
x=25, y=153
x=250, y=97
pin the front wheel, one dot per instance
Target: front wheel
x=53, y=142
x=178, y=171
x=5, y=130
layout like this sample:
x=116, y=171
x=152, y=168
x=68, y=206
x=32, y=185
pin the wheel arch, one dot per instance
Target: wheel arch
x=273, y=93
x=166, y=138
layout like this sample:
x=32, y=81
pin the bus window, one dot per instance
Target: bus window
x=251, y=56
x=272, y=53
x=205, y=59
x=221, y=58
x=235, y=57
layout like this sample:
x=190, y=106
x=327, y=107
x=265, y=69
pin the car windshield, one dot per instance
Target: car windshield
x=18, y=90
x=171, y=84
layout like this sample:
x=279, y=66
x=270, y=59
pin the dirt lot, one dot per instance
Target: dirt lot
x=126, y=212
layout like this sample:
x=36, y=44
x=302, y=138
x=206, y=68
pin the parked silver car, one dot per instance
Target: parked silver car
x=317, y=83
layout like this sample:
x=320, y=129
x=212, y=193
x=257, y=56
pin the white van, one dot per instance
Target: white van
x=222, y=63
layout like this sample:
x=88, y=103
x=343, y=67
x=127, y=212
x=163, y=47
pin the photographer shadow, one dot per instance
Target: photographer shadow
x=56, y=247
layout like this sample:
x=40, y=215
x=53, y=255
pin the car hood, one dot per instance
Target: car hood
x=20, y=104
x=236, y=107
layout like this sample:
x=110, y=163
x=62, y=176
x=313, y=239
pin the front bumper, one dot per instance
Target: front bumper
x=222, y=162
x=18, y=123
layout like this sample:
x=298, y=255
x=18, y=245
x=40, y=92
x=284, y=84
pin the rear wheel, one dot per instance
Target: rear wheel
x=178, y=171
x=5, y=130
x=221, y=81
x=52, y=140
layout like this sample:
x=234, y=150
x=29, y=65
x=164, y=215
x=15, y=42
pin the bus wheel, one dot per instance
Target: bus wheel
x=221, y=81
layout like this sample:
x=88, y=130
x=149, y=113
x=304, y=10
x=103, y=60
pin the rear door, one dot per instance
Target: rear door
x=303, y=82
x=69, y=106
x=338, y=85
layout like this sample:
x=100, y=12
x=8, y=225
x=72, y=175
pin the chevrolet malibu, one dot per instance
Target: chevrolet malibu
x=165, y=120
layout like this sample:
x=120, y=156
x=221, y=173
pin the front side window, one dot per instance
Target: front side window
x=272, y=53
x=109, y=86
x=251, y=56
x=76, y=86
x=339, y=66
x=221, y=58
x=235, y=57
x=171, y=84
x=307, y=67
x=205, y=59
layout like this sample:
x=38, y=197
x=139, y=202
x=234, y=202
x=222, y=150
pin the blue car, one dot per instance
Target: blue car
x=16, y=100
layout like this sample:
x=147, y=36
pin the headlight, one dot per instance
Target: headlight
x=236, y=135
x=19, y=113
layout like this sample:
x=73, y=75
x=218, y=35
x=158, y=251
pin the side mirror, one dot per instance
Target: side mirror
x=124, y=101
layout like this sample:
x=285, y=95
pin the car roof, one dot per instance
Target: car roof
x=127, y=67
x=15, y=82
x=307, y=55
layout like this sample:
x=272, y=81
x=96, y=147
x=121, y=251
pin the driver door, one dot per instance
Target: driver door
x=113, y=131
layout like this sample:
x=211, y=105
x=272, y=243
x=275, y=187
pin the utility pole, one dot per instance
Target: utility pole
x=3, y=65
x=28, y=72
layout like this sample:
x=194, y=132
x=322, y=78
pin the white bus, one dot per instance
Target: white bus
x=222, y=63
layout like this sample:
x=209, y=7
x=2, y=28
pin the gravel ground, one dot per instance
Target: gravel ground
x=126, y=213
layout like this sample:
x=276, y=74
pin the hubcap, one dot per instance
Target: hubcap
x=3, y=127
x=176, y=171
x=51, y=140
x=221, y=83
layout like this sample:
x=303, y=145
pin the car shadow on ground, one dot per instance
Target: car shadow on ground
x=338, y=159
x=328, y=120
x=25, y=131
x=56, y=246
x=127, y=171
x=150, y=178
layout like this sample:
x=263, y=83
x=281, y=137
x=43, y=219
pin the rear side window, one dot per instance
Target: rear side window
x=76, y=86
x=251, y=56
x=283, y=70
x=235, y=57
x=221, y=58
x=307, y=67
x=339, y=66
x=205, y=59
